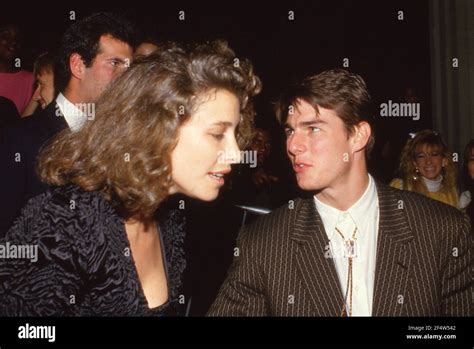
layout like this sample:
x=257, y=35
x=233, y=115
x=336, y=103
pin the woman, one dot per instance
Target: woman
x=105, y=245
x=465, y=201
x=427, y=168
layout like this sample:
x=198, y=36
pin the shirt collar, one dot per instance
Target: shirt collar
x=74, y=116
x=358, y=211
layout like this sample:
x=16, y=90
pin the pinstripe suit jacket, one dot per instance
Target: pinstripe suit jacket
x=424, y=263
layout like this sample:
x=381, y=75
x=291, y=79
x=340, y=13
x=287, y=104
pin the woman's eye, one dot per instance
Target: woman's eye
x=288, y=132
x=218, y=136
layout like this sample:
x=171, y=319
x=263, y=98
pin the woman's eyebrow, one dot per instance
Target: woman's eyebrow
x=222, y=123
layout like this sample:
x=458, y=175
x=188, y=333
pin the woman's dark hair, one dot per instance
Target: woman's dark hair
x=125, y=151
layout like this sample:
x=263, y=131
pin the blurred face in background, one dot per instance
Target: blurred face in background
x=470, y=164
x=113, y=58
x=9, y=43
x=44, y=93
x=262, y=145
x=145, y=49
x=430, y=160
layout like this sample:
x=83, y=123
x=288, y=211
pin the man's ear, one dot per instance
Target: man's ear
x=77, y=66
x=361, y=136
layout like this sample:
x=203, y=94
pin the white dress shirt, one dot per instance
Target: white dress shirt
x=74, y=116
x=364, y=215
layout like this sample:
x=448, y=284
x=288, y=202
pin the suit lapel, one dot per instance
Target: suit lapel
x=54, y=119
x=393, y=254
x=317, y=270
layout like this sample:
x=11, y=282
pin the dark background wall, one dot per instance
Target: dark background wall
x=390, y=54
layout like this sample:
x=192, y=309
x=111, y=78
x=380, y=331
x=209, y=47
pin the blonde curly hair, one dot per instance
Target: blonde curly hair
x=411, y=179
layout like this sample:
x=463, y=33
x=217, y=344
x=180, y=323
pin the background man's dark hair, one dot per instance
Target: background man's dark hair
x=83, y=37
x=344, y=92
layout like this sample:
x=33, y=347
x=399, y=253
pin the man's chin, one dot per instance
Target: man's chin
x=308, y=186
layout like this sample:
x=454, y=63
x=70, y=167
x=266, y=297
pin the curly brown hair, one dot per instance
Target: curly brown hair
x=407, y=167
x=124, y=152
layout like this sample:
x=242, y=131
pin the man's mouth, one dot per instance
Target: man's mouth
x=300, y=166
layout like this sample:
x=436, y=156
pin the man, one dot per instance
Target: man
x=356, y=247
x=44, y=75
x=93, y=52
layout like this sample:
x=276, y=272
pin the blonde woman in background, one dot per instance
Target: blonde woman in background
x=426, y=167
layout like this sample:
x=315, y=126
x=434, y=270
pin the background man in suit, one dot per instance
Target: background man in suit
x=356, y=247
x=93, y=52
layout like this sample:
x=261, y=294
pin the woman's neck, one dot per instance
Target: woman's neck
x=433, y=185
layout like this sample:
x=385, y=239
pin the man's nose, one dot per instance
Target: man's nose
x=295, y=145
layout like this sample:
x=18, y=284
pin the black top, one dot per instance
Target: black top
x=84, y=264
x=8, y=112
x=20, y=144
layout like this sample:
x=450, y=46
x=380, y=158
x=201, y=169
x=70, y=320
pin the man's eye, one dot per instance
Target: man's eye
x=115, y=63
x=314, y=129
x=288, y=132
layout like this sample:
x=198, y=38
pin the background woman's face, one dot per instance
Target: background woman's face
x=198, y=164
x=470, y=164
x=429, y=160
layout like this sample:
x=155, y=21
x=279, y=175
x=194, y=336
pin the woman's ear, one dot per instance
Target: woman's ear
x=77, y=66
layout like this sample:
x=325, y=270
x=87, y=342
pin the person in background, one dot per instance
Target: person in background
x=8, y=113
x=44, y=92
x=146, y=48
x=427, y=168
x=466, y=201
x=94, y=51
x=16, y=84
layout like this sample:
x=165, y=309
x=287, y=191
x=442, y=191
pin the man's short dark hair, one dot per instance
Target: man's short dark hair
x=344, y=92
x=83, y=38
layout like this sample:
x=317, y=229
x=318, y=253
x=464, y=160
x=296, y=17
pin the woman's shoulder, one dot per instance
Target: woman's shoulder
x=66, y=211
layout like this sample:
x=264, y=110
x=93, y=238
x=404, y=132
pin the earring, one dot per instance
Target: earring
x=416, y=176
